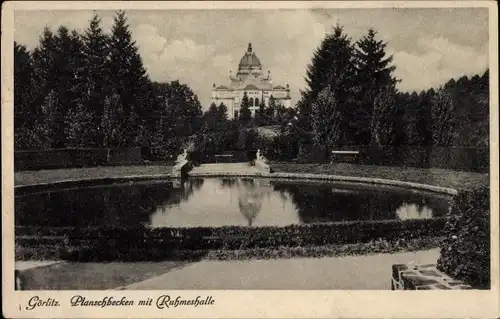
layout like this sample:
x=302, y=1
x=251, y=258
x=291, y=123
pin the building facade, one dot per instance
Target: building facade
x=250, y=79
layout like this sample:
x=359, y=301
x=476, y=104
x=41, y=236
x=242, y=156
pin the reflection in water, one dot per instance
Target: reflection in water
x=221, y=202
x=413, y=211
x=127, y=205
x=250, y=201
x=323, y=202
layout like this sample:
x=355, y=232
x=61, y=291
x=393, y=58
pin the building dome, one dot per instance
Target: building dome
x=249, y=60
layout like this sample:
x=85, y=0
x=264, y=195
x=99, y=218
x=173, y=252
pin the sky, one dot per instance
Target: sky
x=200, y=47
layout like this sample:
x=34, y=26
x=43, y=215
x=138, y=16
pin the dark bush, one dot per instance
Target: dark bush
x=313, y=154
x=234, y=139
x=280, y=148
x=210, y=142
x=75, y=157
x=165, y=150
x=465, y=252
x=287, y=148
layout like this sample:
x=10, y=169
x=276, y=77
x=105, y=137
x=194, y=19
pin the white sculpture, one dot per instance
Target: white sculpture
x=182, y=157
x=180, y=162
x=260, y=157
x=261, y=163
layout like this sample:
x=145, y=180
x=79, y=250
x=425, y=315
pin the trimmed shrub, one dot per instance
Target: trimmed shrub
x=107, y=243
x=465, y=251
x=313, y=154
x=75, y=157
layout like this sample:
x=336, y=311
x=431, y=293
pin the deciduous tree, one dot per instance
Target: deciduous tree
x=383, y=121
x=326, y=119
x=442, y=119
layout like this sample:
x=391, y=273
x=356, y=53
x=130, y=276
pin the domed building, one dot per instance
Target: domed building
x=249, y=79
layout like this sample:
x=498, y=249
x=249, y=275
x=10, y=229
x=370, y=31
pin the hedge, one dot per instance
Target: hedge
x=475, y=159
x=106, y=243
x=465, y=251
x=47, y=252
x=74, y=157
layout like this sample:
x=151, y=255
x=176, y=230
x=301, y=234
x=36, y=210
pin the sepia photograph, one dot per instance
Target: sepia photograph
x=250, y=148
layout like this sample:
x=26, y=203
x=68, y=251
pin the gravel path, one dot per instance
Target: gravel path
x=353, y=272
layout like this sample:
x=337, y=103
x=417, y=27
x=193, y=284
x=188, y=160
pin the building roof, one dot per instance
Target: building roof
x=251, y=87
x=249, y=75
x=250, y=84
x=249, y=60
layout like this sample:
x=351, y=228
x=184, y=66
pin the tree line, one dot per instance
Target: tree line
x=91, y=90
x=351, y=99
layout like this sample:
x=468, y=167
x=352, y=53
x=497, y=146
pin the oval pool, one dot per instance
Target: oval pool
x=224, y=202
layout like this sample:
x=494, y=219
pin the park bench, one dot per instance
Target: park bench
x=345, y=156
x=223, y=156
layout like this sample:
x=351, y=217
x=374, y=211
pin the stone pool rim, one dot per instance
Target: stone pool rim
x=283, y=176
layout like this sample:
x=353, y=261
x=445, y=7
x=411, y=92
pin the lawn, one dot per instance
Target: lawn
x=433, y=176
x=94, y=276
x=87, y=173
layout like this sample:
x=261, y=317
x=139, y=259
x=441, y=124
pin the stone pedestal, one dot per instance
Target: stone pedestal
x=261, y=164
x=180, y=168
x=181, y=165
x=423, y=277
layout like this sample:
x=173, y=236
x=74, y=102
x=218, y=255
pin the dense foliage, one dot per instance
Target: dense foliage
x=92, y=90
x=465, y=251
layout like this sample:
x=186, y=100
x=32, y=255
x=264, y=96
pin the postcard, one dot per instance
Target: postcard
x=250, y=159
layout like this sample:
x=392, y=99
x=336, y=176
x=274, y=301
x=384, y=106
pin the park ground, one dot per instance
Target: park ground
x=346, y=272
x=433, y=176
x=25, y=178
x=349, y=272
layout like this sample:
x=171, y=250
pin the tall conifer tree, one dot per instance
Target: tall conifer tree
x=95, y=53
x=222, y=112
x=24, y=117
x=331, y=66
x=373, y=75
x=44, y=74
x=129, y=78
x=59, y=58
x=245, y=113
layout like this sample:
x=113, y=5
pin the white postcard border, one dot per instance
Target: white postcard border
x=246, y=303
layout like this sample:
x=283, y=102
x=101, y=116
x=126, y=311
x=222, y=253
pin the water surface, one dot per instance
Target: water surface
x=223, y=202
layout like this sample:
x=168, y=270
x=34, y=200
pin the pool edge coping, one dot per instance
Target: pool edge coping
x=303, y=176
x=343, y=178
x=78, y=181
